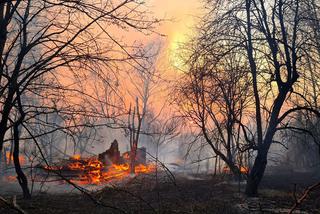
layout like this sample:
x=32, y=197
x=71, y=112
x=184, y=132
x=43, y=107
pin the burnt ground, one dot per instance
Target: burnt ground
x=185, y=194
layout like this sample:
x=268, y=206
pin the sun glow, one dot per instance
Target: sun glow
x=176, y=46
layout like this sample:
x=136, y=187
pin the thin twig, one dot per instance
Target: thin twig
x=307, y=191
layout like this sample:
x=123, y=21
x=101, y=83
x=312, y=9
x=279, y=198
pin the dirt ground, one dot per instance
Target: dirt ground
x=184, y=194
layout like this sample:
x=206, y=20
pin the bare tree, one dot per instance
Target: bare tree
x=276, y=41
x=145, y=85
x=50, y=51
x=215, y=97
x=134, y=128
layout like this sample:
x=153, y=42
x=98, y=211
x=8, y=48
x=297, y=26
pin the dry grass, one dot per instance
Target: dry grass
x=144, y=194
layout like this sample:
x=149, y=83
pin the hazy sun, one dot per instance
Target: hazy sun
x=177, y=45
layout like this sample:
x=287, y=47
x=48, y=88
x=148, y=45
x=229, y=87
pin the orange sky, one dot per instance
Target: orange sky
x=180, y=16
x=183, y=15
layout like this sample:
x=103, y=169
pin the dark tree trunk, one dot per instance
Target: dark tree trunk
x=22, y=179
x=133, y=154
x=259, y=166
x=256, y=175
x=215, y=165
x=260, y=162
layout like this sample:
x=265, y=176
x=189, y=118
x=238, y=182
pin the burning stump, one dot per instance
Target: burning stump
x=111, y=155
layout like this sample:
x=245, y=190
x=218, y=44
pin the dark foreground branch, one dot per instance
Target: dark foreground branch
x=307, y=191
x=13, y=205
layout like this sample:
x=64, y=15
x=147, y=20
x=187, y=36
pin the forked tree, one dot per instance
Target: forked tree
x=277, y=41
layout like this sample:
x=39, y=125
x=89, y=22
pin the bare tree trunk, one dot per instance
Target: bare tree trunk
x=219, y=165
x=5, y=160
x=22, y=179
x=133, y=154
x=215, y=165
x=134, y=133
x=10, y=153
x=256, y=174
x=259, y=167
x=2, y=163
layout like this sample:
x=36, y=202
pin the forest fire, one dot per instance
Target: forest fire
x=84, y=171
x=215, y=105
x=103, y=168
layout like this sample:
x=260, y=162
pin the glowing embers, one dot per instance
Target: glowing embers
x=76, y=157
x=145, y=168
x=243, y=170
x=85, y=171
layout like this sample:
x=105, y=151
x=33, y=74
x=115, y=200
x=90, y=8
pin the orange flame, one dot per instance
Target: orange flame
x=243, y=170
x=9, y=158
x=76, y=157
x=145, y=168
x=126, y=156
x=92, y=171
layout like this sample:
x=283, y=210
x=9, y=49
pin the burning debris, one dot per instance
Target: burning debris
x=108, y=166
